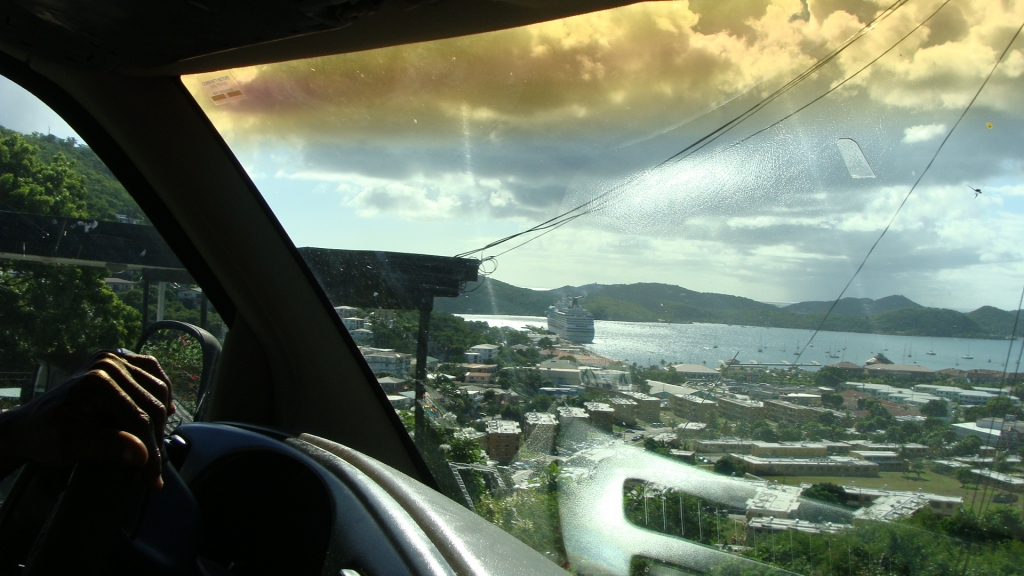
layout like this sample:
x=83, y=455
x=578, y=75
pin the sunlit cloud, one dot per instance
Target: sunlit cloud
x=507, y=129
x=923, y=133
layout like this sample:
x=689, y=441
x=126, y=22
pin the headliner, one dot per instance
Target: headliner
x=187, y=37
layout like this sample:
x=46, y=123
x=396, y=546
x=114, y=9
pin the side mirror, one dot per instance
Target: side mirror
x=189, y=356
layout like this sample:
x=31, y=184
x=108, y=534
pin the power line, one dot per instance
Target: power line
x=916, y=182
x=711, y=136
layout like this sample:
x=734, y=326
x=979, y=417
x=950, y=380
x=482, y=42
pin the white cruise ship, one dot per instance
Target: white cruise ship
x=570, y=321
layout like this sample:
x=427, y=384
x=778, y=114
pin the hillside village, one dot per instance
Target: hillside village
x=876, y=434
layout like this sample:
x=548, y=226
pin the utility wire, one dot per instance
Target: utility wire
x=714, y=134
x=916, y=182
x=1013, y=339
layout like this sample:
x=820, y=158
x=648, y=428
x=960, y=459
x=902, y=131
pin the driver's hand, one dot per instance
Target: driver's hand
x=114, y=409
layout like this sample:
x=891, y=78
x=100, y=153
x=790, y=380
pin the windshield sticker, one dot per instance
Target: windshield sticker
x=223, y=89
x=854, y=158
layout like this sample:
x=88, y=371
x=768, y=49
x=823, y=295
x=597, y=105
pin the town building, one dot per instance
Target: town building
x=1000, y=480
x=774, y=500
x=472, y=367
x=666, y=391
x=787, y=449
x=739, y=410
x=693, y=407
x=474, y=435
x=901, y=371
x=667, y=438
x=604, y=378
x=722, y=446
x=392, y=384
x=648, y=407
x=823, y=466
x=386, y=360
x=910, y=449
x=558, y=391
x=510, y=397
x=119, y=285
x=888, y=461
x=362, y=336
x=690, y=429
x=479, y=378
x=354, y=323
x=483, y=353
x=432, y=363
x=399, y=402
x=973, y=397
x=625, y=410
x=771, y=524
x=803, y=398
x=561, y=377
x=697, y=371
x=346, y=311
x=541, y=429
x=601, y=415
x=894, y=502
x=573, y=424
x=503, y=440
x=782, y=411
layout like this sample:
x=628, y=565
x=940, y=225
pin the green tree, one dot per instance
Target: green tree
x=57, y=314
x=827, y=492
x=965, y=477
x=834, y=401
x=971, y=444
x=828, y=377
x=935, y=408
x=729, y=466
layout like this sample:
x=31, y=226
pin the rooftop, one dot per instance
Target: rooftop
x=1014, y=480
x=772, y=523
x=571, y=412
x=663, y=388
x=776, y=498
x=695, y=369
x=899, y=368
x=502, y=427
x=540, y=418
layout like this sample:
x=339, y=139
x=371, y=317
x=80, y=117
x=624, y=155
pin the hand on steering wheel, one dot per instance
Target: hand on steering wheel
x=114, y=409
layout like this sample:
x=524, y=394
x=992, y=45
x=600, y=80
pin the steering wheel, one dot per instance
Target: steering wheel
x=90, y=520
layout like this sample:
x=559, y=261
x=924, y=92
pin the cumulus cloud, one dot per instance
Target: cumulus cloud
x=509, y=128
x=923, y=133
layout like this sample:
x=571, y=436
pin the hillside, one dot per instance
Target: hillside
x=650, y=302
x=994, y=320
x=105, y=196
x=854, y=306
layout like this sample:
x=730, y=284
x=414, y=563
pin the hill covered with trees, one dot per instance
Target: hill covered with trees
x=650, y=302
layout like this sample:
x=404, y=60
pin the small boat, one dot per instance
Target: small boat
x=968, y=355
x=931, y=350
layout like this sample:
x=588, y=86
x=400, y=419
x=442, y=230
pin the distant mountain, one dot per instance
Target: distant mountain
x=854, y=306
x=995, y=321
x=650, y=302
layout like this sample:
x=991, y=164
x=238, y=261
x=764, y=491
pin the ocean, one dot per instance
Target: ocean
x=648, y=343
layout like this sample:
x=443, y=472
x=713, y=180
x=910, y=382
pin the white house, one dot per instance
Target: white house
x=483, y=353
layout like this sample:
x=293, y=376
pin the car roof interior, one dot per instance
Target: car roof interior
x=111, y=69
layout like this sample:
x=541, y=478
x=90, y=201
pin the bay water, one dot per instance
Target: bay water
x=648, y=343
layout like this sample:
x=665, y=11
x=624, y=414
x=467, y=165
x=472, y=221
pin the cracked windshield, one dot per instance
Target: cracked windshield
x=682, y=287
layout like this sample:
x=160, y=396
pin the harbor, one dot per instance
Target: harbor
x=648, y=343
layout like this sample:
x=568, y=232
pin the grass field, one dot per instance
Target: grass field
x=928, y=482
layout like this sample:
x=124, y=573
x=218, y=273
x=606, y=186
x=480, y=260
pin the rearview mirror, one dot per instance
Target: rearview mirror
x=189, y=356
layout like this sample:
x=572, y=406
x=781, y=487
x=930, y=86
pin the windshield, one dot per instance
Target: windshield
x=705, y=286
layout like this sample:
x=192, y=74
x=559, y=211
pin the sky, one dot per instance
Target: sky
x=442, y=147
